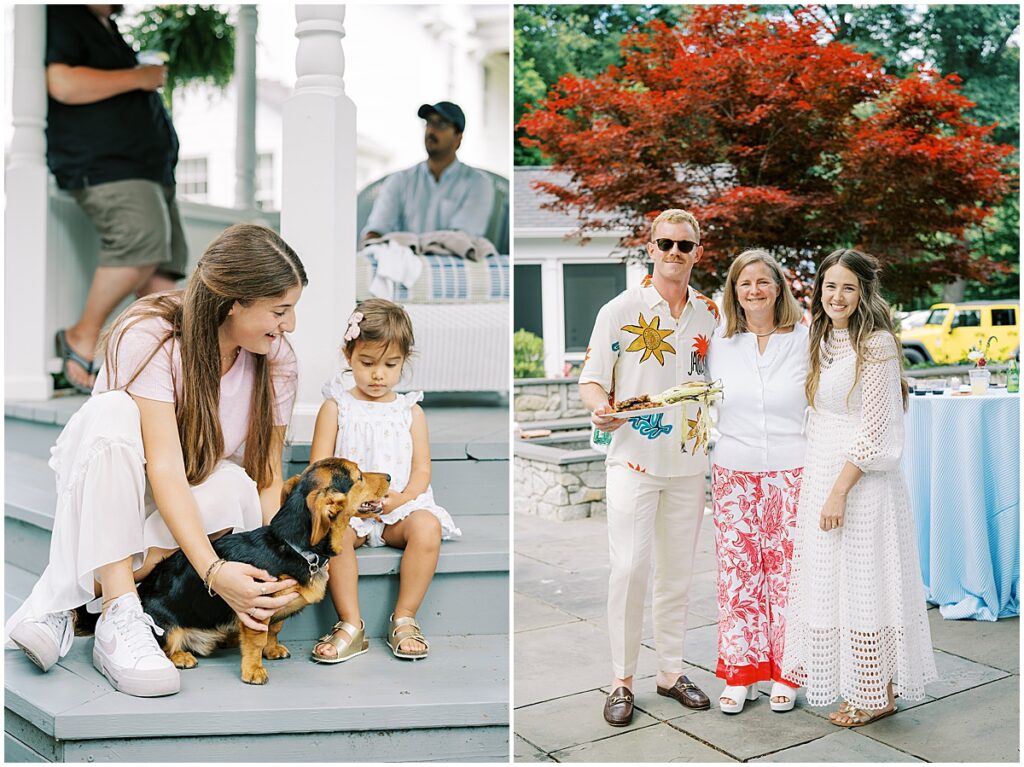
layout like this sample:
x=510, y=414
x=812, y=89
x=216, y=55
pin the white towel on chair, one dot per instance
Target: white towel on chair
x=396, y=264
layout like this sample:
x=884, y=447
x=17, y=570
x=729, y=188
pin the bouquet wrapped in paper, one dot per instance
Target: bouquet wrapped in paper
x=703, y=393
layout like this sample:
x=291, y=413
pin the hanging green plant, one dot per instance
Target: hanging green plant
x=198, y=40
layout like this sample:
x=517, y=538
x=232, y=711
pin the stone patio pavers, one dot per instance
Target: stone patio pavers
x=841, y=746
x=562, y=674
x=980, y=724
x=571, y=721
x=994, y=643
x=659, y=743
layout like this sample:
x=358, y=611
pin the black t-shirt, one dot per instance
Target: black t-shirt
x=124, y=137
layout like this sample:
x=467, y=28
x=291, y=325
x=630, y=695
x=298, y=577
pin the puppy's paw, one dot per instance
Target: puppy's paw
x=277, y=652
x=183, y=659
x=255, y=675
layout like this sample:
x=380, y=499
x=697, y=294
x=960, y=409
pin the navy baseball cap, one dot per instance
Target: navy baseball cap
x=449, y=111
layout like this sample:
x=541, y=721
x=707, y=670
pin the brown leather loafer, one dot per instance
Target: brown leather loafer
x=687, y=693
x=618, y=707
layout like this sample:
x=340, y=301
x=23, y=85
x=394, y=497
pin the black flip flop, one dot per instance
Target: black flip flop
x=67, y=354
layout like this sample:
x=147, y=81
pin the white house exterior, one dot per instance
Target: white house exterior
x=559, y=283
x=50, y=247
x=396, y=58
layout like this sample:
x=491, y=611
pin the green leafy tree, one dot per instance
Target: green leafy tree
x=198, y=40
x=555, y=40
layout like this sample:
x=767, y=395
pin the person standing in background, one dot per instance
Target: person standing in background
x=111, y=144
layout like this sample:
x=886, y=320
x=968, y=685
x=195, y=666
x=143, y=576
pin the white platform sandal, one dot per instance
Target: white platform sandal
x=738, y=693
x=780, y=690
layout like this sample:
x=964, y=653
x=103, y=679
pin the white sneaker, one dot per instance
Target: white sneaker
x=45, y=639
x=127, y=654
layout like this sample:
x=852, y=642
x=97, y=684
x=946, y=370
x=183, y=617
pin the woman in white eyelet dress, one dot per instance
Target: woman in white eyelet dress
x=856, y=619
x=377, y=435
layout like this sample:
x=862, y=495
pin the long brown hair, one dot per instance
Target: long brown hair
x=787, y=310
x=244, y=264
x=872, y=315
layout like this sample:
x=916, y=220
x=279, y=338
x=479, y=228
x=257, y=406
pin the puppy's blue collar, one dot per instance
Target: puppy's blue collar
x=316, y=562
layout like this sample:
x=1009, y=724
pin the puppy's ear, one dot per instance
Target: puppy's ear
x=324, y=505
x=288, y=486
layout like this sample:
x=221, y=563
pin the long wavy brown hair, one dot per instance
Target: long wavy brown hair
x=244, y=264
x=871, y=316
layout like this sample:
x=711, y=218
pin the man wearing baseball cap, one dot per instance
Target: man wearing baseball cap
x=439, y=193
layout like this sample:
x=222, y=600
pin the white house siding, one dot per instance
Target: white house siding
x=396, y=58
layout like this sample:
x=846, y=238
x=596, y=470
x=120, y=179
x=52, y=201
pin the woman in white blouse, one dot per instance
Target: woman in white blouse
x=761, y=357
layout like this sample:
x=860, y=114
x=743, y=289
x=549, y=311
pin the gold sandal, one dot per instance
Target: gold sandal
x=346, y=648
x=401, y=629
x=861, y=716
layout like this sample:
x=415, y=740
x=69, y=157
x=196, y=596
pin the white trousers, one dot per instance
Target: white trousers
x=105, y=510
x=648, y=513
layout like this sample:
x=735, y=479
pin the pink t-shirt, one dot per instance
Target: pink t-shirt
x=160, y=380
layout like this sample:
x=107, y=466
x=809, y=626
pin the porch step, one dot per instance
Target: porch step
x=469, y=477
x=373, y=708
x=469, y=593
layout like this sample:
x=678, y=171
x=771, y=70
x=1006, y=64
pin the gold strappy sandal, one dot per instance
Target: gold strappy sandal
x=401, y=629
x=346, y=648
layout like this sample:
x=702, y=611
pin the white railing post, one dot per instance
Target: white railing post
x=318, y=206
x=25, y=216
x=245, y=124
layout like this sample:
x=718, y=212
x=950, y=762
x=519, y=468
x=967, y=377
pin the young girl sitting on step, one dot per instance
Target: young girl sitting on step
x=383, y=432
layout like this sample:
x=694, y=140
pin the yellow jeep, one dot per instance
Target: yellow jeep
x=952, y=329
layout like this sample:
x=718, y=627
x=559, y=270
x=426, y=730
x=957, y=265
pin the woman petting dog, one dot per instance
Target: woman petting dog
x=181, y=442
x=383, y=432
x=761, y=357
x=856, y=624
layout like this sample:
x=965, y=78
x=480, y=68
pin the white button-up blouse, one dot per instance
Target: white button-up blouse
x=761, y=416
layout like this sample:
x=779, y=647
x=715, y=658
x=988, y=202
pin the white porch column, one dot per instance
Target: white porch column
x=245, y=125
x=25, y=216
x=552, y=319
x=318, y=207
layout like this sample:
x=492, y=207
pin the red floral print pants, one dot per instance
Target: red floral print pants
x=754, y=517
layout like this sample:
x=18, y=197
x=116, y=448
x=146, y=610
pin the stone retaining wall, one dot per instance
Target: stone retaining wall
x=546, y=399
x=560, y=491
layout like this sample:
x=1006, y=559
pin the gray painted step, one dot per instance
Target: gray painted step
x=453, y=705
x=469, y=593
x=462, y=483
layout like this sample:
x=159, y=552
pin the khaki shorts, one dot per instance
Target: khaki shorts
x=138, y=223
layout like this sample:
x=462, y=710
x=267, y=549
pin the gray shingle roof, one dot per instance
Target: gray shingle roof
x=527, y=200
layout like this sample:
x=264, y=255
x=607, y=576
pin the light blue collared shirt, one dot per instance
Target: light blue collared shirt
x=412, y=201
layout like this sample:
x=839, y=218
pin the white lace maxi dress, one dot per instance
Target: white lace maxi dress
x=377, y=436
x=856, y=614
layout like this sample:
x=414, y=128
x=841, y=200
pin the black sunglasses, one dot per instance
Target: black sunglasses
x=665, y=245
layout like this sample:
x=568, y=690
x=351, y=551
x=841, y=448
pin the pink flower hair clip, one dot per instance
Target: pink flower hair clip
x=352, y=333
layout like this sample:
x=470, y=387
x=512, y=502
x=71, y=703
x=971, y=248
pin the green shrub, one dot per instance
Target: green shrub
x=528, y=355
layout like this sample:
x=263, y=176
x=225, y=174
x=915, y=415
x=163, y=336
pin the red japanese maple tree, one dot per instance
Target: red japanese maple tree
x=775, y=136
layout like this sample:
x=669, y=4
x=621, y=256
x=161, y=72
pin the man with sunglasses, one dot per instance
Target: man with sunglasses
x=439, y=193
x=645, y=340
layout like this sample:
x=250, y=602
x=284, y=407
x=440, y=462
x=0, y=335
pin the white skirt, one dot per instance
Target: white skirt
x=105, y=509
x=373, y=529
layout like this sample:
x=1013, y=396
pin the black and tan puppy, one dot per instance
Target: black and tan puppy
x=316, y=508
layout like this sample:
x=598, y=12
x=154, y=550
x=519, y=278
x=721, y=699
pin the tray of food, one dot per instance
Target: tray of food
x=642, y=405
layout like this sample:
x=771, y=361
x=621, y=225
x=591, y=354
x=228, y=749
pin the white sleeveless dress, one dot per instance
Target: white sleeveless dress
x=377, y=436
x=856, y=615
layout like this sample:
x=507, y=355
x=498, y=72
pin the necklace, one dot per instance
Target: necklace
x=232, y=357
x=762, y=335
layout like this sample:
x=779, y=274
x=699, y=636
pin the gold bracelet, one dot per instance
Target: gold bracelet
x=209, y=588
x=210, y=572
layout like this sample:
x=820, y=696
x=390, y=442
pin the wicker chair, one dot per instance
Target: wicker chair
x=459, y=308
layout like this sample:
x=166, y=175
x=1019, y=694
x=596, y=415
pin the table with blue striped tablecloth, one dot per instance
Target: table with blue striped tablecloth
x=962, y=463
